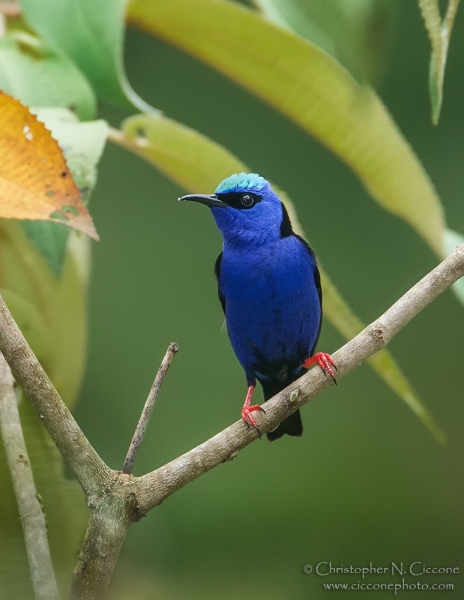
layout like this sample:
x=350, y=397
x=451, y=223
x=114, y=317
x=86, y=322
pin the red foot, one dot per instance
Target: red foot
x=325, y=361
x=247, y=410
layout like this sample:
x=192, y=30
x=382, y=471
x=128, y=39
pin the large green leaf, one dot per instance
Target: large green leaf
x=439, y=33
x=92, y=34
x=311, y=88
x=39, y=75
x=51, y=313
x=82, y=145
x=198, y=164
x=354, y=32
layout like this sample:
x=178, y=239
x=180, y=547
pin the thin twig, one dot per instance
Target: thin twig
x=30, y=511
x=161, y=483
x=91, y=472
x=148, y=408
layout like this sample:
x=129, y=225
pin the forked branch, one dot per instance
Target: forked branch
x=117, y=499
x=161, y=483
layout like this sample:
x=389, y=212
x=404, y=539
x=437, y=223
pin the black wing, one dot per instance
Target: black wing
x=217, y=271
x=317, y=282
x=286, y=230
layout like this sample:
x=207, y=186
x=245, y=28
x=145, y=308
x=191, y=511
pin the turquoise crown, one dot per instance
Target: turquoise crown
x=241, y=181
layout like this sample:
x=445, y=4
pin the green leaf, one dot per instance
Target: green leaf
x=452, y=239
x=51, y=240
x=198, y=164
x=439, y=33
x=355, y=32
x=92, y=34
x=310, y=88
x=52, y=315
x=82, y=145
x=187, y=157
x=38, y=75
x=50, y=311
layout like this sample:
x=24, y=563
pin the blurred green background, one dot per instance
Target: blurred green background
x=367, y=482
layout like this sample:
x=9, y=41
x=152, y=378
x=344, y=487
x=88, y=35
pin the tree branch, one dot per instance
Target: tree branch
x=90, y=470
x=116, y=499
x=142, y=425
x=110, y=519
x=161, y=483
x=30, y=510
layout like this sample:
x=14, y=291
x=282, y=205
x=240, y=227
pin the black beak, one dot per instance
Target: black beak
x=211, y=200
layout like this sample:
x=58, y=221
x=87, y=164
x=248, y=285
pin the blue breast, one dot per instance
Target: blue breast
x=273, y=310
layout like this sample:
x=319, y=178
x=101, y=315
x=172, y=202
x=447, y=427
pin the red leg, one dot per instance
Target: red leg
x=247, y=410
x=324, y=360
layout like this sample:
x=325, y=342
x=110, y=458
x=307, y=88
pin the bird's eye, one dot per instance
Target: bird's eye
x=247, y=200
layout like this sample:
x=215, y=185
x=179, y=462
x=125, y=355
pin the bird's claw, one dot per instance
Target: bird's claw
x=325, y=362
x=248, y=417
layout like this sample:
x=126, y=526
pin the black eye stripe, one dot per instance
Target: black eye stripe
x=240, y=200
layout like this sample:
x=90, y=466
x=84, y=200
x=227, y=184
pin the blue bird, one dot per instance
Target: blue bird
x=270, y=291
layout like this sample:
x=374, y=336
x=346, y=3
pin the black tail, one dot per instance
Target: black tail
x=292, y=425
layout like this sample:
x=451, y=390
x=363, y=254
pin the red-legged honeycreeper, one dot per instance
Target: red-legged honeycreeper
x=270, y=291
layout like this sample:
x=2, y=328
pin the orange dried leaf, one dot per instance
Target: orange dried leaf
x=35, y=181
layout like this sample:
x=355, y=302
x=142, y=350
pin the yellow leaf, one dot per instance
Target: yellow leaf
x=35, y=182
